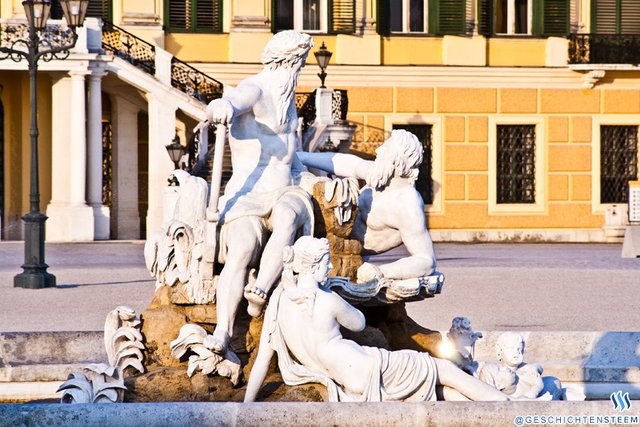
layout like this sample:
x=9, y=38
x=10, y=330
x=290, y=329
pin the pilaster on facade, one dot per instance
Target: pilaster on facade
x=124, y=214
x=70, y=219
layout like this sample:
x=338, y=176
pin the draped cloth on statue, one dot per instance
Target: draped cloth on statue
x=403, y=375
x=259, y=207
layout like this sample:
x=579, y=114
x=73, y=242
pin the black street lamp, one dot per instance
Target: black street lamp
x=176, y=151
x=37, y=42
x=323, y=55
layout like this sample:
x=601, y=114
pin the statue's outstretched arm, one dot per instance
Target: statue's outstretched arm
x=344, y=165
x=260, y=367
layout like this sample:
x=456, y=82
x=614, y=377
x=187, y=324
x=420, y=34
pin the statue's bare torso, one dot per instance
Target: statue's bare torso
x=262, y=149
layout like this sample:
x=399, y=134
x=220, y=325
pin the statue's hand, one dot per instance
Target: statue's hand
x=368, y=271
x=220, y=111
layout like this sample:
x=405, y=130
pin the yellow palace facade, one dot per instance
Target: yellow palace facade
x=528, y=109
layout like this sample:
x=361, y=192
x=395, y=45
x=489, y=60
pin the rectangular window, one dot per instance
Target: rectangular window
x=424, y=183
x=407, y=16
x=301, y=15
x=513, y=16
x=193, y=16
x=618, y=162
x=523, y=17
x=515, y=169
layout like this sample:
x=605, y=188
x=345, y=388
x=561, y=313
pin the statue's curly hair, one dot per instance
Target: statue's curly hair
x=286, y=47
x=401, y=156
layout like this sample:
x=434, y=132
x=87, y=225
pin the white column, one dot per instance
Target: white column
x=70, y=219
x=125, y=216
x=162, y=128
x=94, y=157
x=78, y=141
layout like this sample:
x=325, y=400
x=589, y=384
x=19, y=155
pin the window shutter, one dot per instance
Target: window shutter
x=342, y=16
x=555, y=18
x=100, y=9
x=96, y=9
x=605, y=16
x=485, y=17
x=450, y=17
x=383, y=12
x=178, y=15
x=630, y=17
x=208, y=15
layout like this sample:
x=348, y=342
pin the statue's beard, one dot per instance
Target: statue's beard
x=283, y=82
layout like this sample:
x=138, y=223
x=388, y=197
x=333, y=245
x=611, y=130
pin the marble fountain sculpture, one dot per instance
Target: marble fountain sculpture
x=218, y=260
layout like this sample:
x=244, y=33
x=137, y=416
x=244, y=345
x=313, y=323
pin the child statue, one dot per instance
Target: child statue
x=302, y=325
x=513, y=376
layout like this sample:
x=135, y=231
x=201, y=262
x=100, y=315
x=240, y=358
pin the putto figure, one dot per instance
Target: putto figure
x=261, y=210
x=391, y=211
x=302, y=325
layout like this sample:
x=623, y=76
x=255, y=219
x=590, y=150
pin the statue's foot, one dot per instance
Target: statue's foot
x=218, y=342
x=257, y=298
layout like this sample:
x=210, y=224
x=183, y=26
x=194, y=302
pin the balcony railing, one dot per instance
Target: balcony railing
x=306, y=106
x=194, y=82
x=129, y=47
x=604, y=49
x=141, y=54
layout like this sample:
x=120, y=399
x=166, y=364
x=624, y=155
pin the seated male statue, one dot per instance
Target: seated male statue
x=302, y=325
x=261, y=210
x=391, y=211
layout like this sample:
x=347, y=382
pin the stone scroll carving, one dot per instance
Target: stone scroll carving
x=174, y=255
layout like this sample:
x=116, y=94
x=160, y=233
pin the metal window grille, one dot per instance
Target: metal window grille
x=516, y=164
x=107, y=162
x=424, y=183
x=618, y=162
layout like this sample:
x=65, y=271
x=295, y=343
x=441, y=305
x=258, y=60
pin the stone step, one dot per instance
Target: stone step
x=32, y=365
x=321, y=414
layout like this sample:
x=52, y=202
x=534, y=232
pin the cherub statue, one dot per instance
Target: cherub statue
x=391, y=211
x=515, y=377
x=302, y=325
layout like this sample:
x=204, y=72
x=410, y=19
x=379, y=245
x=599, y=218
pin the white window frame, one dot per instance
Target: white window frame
x=298, y=20
x=437, y=159
x=406, y=19
x=511, y=19
x=540, y=205
x=596, y=173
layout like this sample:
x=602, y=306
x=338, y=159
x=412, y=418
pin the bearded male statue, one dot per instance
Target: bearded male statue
x=391, y=211
x=262, y=211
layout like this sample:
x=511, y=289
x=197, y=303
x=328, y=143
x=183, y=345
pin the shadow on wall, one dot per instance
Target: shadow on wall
x=615, y=359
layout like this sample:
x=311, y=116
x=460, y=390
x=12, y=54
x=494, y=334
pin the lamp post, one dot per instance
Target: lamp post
x=176, y=151
x=323, y=55
x=39, y=42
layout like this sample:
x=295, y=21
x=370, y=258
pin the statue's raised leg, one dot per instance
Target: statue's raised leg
x=287, y=216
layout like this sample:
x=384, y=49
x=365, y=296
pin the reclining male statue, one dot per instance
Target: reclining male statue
x=302, y=325
x=261, y=210
x=391, y=211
